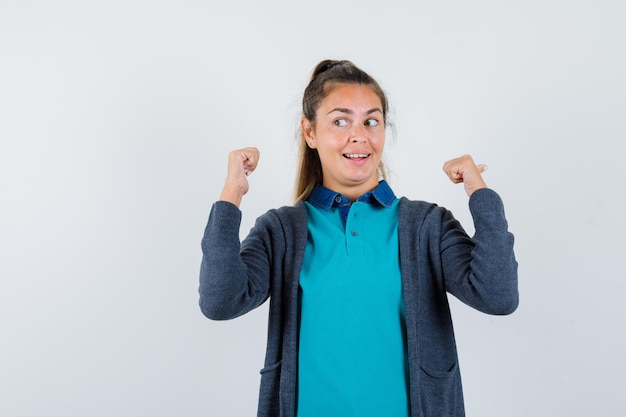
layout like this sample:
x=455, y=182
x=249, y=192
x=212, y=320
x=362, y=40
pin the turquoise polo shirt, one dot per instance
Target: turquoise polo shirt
x=352, y=345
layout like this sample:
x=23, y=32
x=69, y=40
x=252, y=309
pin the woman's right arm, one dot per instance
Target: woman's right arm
x=233, y=282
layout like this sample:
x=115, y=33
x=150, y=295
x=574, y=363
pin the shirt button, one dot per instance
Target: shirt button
x=354, y=233
x=338, y=199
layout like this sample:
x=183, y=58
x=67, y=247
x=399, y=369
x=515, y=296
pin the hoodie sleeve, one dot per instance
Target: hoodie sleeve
x=234, y=277
x=481, y=271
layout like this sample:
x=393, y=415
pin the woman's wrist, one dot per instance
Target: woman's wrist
x=231, y=194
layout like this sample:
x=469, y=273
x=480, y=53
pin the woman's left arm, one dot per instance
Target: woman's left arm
x=482, y=270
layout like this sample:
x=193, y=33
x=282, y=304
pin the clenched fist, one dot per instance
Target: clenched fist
x=463, y=169
x=241, y=163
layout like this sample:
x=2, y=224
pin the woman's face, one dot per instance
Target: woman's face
x=349, y=135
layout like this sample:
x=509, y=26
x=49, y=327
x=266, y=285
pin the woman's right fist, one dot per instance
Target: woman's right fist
x=241, y=163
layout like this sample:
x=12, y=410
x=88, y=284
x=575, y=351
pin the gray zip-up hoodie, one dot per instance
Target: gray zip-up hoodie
x=436, y=257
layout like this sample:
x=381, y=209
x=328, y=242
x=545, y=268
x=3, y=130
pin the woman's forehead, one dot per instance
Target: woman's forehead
x=351, y=96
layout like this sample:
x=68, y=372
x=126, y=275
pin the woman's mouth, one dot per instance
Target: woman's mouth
x=356, y=156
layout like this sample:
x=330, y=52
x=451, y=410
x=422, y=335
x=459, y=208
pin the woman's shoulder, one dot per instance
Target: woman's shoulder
x=285, y=215
x=409, y=205
x=286, y=210
x=419, y=211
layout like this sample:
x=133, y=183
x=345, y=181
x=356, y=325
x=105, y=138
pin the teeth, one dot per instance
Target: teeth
x=355, y=155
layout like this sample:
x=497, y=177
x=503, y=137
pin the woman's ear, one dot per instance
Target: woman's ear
x=307, y=131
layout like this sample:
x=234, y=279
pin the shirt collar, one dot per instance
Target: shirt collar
x=326, y=199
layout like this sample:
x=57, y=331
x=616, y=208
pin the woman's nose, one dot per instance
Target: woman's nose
x=357, y=134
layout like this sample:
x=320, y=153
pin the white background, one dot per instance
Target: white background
x=116, y=119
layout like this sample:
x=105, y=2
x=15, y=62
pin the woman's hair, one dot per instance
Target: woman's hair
x=326, y=75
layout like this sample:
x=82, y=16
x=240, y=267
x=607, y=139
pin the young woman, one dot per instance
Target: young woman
x=357, y=278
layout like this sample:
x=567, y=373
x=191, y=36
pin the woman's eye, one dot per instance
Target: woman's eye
x=371, y=122
x=341, y=122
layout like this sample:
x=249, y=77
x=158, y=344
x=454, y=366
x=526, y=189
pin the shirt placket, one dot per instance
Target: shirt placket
x=354, y=230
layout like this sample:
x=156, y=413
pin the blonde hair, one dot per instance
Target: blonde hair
x=325, y=76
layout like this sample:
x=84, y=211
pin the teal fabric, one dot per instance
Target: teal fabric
x=352, y=350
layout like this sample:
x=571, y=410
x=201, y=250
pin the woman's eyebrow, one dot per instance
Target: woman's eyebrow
x=348, y=111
